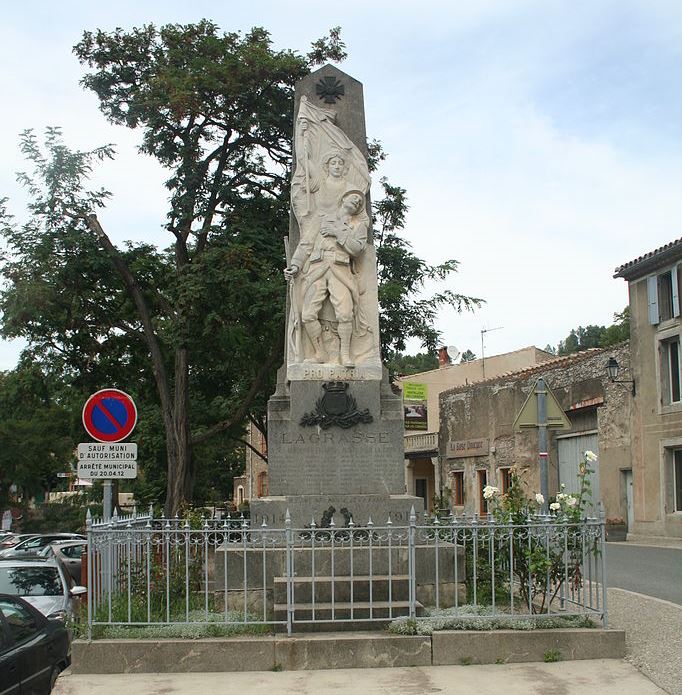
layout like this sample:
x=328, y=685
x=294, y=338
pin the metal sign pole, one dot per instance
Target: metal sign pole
x=542, y=441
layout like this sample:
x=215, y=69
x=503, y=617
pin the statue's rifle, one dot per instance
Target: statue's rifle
x=298, y=345
x=307, y=171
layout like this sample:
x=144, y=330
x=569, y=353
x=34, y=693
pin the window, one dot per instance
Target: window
x=663, y=295
x=30, y=581
x=262, y=484
x=671, y=390
x=73, y=551
x=420, y=490
x=22, y=625
x=504, y=478
x=240, y=495
x=482, y=479
x=457, y=488
x=677, y=480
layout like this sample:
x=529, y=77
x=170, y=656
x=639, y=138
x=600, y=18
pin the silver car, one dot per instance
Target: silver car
x=32, y=545
x=43, y=583
x=69, y=553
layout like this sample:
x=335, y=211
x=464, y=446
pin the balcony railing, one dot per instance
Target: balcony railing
x=426, y=441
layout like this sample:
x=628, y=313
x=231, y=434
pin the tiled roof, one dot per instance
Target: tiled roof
x=564, y=361
x=646, y=262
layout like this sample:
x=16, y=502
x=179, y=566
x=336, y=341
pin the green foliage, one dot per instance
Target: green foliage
x=478, y=618
x=583, y=338
x=403, y=365
x=619, y=331
x=34, y=430
x=201, y=627
x=551, y=655
x=66, y=516
x=468, y=356
x=542, y=562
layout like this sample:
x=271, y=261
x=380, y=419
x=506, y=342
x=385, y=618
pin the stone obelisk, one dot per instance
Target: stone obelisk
x=335, y=427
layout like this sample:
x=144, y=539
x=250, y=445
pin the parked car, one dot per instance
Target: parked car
x=33, y=544
x=69, y=553
x=11, y=539
x=33, y=649
x=44, y=583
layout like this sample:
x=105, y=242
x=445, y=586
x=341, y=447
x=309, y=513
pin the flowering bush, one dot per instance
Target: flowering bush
x=545, y=551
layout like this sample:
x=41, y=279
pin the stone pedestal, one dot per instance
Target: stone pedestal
x=356, y=471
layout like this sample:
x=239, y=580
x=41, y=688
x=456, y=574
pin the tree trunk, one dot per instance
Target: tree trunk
x=180, y=469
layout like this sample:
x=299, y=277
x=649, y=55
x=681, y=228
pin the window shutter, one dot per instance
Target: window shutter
x=652, y=288
x=676, y=292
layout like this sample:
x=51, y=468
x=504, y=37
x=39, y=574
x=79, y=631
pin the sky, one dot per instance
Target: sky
x=540, y=142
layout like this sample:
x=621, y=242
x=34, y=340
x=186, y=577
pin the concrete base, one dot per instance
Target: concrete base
x=350, y=650
x=511, y=646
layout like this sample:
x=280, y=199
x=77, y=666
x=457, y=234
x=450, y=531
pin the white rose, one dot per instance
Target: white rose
x=561, y=496
x=539, y=498
x=555, y=506
x=571, y=501
x=489, y=491
x=590, y=455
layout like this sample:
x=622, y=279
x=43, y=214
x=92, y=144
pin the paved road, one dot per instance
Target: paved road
x=648, y=570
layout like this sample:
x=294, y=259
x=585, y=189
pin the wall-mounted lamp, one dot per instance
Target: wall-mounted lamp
x=612, y=367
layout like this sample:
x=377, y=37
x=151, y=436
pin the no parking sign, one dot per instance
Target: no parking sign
x=109, y=415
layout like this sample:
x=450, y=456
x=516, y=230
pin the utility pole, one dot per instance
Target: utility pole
x=543, y=454
x=483, y=331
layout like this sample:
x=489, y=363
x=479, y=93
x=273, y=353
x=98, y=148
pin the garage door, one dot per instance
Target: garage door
x=571, y=450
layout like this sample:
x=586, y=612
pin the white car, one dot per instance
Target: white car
x=43, y=583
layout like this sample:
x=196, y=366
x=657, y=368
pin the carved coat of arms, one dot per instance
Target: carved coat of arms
x=336, y=407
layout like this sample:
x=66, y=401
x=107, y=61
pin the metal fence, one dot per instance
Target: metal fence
x=156, y=571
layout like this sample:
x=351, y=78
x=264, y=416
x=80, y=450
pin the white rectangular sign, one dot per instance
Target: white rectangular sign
x=107, y=469
x=102, y=460
x=99, y=451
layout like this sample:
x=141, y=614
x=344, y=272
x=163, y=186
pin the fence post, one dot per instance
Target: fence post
x=89, y=559
x=602, y=549
x=290, y=571
x=411, y=562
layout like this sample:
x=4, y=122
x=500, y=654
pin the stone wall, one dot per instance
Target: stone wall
x=487, y=410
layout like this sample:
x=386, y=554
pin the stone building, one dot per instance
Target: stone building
x=478, y=446
x=654, y=285
x=254, y=483
x=422, y=466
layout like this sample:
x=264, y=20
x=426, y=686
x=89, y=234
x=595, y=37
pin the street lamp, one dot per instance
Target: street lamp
x=612, y=368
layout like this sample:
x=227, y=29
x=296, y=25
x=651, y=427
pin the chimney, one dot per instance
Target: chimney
x=443, y=357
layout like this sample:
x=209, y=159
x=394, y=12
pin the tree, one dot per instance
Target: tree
x=215, y=110
x=402, y=365
x=194, y=332
x=584, y=338
x=468, y=356
x=618, y=331
x=34, y=430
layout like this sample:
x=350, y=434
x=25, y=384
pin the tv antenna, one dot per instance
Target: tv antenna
x=483, y=332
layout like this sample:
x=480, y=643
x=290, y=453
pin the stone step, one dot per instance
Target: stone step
x=341, y=610
x=382, y=586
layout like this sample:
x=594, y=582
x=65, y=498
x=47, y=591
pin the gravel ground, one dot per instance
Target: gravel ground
x=653, y=634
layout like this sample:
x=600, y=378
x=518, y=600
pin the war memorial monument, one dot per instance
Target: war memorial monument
x=335, y=427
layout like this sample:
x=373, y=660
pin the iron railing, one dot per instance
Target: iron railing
x=156, y=571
